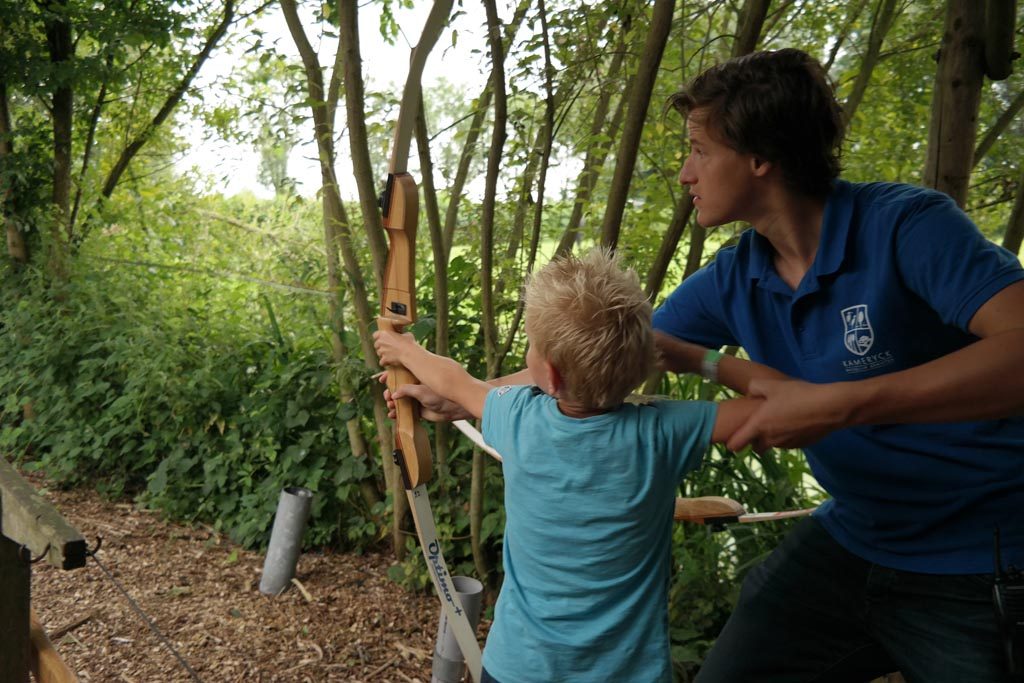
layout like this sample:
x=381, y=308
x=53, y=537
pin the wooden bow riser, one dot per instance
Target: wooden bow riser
x=398, y=309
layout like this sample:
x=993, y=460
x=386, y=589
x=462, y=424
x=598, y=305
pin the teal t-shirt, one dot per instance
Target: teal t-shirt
x=587, y=547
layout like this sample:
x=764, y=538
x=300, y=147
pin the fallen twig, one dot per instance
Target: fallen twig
x=302, y=589
x=382, y=667
x=58, y=633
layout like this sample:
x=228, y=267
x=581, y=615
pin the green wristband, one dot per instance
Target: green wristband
x=709, y=365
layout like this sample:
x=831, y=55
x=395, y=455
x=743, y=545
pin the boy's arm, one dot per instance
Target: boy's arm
x=437, y=408
x=731, y=416
x=442, y=375
x=683, y=356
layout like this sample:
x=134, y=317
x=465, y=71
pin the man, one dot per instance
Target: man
x=906, y=329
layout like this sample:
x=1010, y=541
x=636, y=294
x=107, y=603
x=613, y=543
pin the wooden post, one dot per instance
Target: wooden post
x=27, y=519
x=29, y=526
x=14, y=610
x=46, y=664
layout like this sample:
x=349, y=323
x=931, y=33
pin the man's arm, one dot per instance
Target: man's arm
x=682, y=356
x=984, y=380
x=731, y=415
x=443, y=376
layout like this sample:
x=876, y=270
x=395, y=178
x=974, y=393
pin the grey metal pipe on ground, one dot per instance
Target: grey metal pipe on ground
x=285, y=539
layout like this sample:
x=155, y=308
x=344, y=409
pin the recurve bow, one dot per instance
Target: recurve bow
x=400, y=206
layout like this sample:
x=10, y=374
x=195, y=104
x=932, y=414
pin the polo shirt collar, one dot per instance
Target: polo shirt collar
x=835, y=228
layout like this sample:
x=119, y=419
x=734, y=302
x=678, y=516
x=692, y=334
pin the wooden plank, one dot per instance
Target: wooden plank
x=14, y=610
x=46, y=664
x=29, y=520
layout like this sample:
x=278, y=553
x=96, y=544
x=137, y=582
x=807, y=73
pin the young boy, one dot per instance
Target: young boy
x=590, y=481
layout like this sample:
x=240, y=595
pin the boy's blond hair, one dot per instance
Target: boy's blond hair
x=591, y=320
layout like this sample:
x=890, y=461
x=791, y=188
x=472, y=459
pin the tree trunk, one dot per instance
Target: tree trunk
x=61, y=45
x=351, y=60
x=540, y=158
x=597, y=150
x=844, y=33
x=751, y=21
x=881, y=22
x=172, y=100
x=551, y=102
x=337, y=236
x=16, y=248
x=90, y=139
x=957, y=94
x=469, y=149
x=1015, y=225
x=650, y=60
x=669, y=244
x=998, y=128
x=498, y=135
x=487, y=312
x=1000, y=27
x=437, y=246
x=457, y=188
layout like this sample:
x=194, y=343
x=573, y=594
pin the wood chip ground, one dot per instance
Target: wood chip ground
x=202, y=592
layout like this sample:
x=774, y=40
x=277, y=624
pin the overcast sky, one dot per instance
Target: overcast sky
x=234, y=168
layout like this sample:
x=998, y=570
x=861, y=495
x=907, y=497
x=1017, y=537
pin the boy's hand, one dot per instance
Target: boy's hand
x=390, y=346
x=432, y=406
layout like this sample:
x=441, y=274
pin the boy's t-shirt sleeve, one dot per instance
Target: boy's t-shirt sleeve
x=502, y=413
x=686, y=428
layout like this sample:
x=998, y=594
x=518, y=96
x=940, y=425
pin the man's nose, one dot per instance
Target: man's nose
x=685, y=174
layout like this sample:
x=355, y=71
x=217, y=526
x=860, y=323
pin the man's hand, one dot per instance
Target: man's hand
x=793, y=414
x=432, y=406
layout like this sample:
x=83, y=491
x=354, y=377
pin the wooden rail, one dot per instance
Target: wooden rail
x=30, y=530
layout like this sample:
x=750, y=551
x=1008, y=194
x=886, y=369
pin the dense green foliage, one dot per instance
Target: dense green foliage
x=181, y=385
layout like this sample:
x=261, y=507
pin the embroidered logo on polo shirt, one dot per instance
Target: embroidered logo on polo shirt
x=858, y=336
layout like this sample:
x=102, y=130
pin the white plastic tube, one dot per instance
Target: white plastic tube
x=449, y=665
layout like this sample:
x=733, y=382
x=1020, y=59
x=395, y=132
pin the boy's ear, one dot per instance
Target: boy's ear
x=553, y=377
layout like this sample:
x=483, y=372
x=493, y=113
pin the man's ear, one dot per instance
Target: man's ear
x=760, y=167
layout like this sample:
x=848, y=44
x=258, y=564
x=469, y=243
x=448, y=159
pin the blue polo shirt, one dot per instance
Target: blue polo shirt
x=899, y=273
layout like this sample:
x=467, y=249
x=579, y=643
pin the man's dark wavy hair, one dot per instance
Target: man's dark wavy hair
x=778, y=105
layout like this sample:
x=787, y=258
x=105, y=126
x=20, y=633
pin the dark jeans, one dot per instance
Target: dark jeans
x=487, y=678
x=812, y=612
